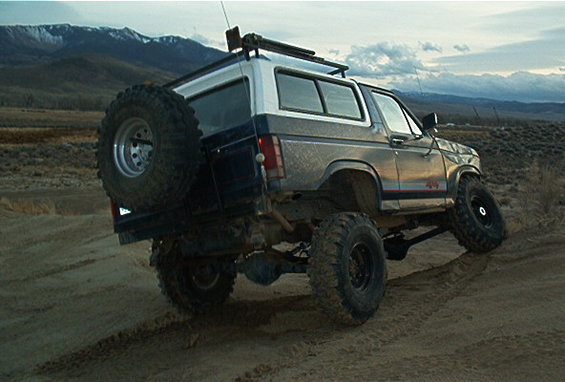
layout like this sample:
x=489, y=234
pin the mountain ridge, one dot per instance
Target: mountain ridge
x=39, y=44
x=100, y=61
x=482, y=108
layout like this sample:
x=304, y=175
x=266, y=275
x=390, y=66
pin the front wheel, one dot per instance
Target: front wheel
x=476, y=220
x=347, y=267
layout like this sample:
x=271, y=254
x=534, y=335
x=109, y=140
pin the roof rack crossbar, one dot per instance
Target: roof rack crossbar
x=254, y=41
x=204, y=70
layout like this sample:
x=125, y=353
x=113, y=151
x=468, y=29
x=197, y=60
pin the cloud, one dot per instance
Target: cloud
x=382, y=59
x=23, y=12
x=544, y=52
x=201, y=39
x=207, y=41
x=335, y=52
x=562, y=69
x=463, y=48
x=519, y=86
x=430, y=47
x=515, y=21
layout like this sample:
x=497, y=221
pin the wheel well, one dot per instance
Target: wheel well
x=361, y=184
x=468, y=174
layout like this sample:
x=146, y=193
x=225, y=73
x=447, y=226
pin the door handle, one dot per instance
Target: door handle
x=397, y=141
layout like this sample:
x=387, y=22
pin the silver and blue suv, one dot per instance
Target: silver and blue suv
x=221, y=166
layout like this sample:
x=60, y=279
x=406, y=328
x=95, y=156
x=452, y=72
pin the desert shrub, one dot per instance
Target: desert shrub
x=541, y=197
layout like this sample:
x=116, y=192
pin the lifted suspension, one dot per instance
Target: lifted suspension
x=397, y=247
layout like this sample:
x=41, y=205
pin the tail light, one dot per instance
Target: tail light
x=270, y=147
x=114, y=209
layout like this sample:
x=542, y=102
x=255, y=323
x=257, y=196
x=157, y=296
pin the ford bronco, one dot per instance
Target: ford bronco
x=258, y=166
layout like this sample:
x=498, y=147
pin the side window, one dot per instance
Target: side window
x=313, y=95
x=299, y=93
x=392, y=113
x=340, y=100
x=413, y=125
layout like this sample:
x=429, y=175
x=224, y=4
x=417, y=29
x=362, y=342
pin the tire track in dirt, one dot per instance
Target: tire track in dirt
x=542, y=350
x=409, y=302
x=212, y=329
x=57, y=270
x=287, y=339
x=106, y=347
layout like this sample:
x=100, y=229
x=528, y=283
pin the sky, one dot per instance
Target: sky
x=502, y=50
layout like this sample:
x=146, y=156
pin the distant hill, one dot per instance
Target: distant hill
x=455, y=109
x=65, y=66
x=86, y=82
x=40, y=44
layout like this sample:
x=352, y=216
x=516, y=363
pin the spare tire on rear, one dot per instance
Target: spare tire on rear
x=148, y=148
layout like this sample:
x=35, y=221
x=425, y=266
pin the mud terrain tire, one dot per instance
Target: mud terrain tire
x=187, y=291
x=347, y=268
x=148, y=148
x=476, y=220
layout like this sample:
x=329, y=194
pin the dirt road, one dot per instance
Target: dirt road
x=74, y=305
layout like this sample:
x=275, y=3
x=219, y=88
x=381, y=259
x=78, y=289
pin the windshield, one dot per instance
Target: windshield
x=222, y=108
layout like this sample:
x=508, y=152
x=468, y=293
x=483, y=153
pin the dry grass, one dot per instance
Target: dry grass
x=24, y=117
x=37, y=135
x=28, y=207
x=31, y=207
x=541, y=198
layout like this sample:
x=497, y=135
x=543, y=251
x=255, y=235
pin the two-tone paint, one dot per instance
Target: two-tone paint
x=418, y=173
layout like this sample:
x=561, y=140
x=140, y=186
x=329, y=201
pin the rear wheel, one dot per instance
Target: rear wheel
x=347, y=267
x=476, y=220
x=191, y=286
x=148, y=148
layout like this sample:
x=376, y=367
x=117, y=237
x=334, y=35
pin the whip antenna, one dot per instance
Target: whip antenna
x=225, y=14
x=230, y=36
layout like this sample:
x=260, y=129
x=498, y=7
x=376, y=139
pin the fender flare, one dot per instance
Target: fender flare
x=455, y=177
x=350, y=165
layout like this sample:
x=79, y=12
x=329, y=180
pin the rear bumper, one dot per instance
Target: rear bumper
x=133, y=227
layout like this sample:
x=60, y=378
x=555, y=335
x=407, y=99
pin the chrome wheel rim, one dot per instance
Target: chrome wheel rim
x=133, y=147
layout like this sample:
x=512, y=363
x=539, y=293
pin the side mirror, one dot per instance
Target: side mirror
x=429, y=121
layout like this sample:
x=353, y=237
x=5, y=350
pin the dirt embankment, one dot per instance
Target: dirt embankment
x=74, y=305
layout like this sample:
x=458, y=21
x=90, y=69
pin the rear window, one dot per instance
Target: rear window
x=222, y=108
x=313, y=95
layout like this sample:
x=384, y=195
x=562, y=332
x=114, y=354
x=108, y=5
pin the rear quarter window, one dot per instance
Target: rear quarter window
x=222, y=108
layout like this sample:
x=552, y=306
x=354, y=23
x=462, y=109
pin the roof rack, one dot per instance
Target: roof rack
x=253, y=42
x=202, y=71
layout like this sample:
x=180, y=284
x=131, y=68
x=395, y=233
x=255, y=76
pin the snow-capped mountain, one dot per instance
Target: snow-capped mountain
x=26, y=45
